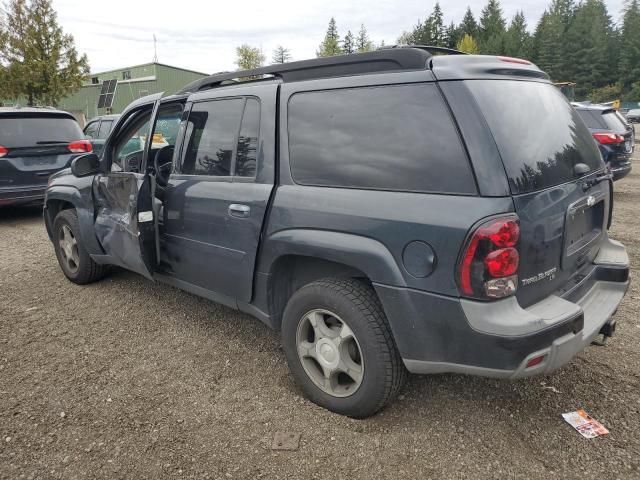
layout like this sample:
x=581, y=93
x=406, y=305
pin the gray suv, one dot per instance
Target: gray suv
x=387, y=212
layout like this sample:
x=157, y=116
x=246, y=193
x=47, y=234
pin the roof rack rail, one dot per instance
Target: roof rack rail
x=428, y=48
x=370, y=62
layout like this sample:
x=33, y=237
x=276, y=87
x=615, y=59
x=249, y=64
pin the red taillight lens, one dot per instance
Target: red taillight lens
x=502, y=263
x=80, y=146
x=608, y=138
x=3, y=151
x=490, y=260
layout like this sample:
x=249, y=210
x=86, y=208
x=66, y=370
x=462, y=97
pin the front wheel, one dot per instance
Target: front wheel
x=74, y=260
x=339, y=347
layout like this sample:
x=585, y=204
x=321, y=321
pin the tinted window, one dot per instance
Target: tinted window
x=591, y=119
x=105, y=128
x=390, y=138
x=246, y=156
x=539, y=135
x=212, y=129
x=614, y=122
x=91, y=130
x=28, y=131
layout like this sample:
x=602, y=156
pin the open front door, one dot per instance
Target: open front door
x=125, y=221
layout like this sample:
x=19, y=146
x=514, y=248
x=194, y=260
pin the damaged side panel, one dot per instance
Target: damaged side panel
x=124, y=223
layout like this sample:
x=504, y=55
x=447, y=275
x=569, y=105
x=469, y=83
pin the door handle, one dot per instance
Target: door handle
x=240, y=211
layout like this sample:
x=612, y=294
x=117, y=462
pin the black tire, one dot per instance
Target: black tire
x=358, y=306
x=86, y=270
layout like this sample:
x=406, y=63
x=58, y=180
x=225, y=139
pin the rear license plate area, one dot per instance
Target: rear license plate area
x=583, y=225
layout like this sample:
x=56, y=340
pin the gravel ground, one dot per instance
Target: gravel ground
x=130, y=379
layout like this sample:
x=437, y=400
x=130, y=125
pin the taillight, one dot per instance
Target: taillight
x=489, y=263
x=3, y=151
x=608, y=138
x=80, y=146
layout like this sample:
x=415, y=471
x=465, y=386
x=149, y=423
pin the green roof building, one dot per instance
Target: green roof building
x=100, y=95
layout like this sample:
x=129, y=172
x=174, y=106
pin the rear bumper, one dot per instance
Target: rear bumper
x=22, y=195
x=498, y=339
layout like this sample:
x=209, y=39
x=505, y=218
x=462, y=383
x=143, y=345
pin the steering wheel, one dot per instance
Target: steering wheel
x=163, y=162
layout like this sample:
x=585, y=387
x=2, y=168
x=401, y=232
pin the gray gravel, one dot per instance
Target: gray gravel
x=129, y=379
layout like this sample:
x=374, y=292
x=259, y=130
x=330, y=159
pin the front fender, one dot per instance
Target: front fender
x=362, y=253
x=82, y=201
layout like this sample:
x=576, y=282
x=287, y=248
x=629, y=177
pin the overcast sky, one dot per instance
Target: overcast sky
x=202, y=35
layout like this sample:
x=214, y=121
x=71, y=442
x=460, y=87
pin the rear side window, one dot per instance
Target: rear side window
x=613, y=121
x=540, y=136
x=105, y=128
x=222, y=136
x=91, y=130
x=389, y=138
x=29, y=130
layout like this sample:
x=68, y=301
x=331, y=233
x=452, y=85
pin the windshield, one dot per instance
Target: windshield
x=539, y=135
x=28, y=131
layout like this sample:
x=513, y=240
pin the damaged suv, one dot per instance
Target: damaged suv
x=387, y=212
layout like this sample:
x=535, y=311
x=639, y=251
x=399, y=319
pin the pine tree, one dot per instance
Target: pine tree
x=348, y=46
x=330, y=46
x=39, y=61
x=630, y=45
x=592, y=62
x=468, y=25
x=517, y=41
x=549, y=44
x=248, y=57
x=437, y=26
x=281, y=55
x=492, y=29
x=452, y=36
x=363, y=44
x=467, y=44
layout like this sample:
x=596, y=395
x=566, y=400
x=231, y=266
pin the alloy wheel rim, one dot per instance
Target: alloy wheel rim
x=69, y=249
x=330, y=353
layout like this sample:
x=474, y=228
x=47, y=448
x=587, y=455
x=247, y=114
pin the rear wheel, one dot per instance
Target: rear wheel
x=73, y=258
x=340, y=349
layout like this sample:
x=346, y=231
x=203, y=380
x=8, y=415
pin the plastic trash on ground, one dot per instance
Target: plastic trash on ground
x=584, y=424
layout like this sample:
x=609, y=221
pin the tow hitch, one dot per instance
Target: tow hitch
x=607, y=330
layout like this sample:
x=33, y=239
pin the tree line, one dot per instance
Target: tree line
x=572, y=41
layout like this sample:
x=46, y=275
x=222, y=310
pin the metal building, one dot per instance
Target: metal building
x=110, y=92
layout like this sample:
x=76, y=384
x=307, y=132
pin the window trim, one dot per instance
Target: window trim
x=454, y=122
x=232, y=176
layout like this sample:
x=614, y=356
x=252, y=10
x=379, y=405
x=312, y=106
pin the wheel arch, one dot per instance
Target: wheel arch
x=300, y=256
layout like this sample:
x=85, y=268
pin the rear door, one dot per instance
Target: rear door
x=551, y=161
x=36, y=145
x=217, y=197
x=125, y=222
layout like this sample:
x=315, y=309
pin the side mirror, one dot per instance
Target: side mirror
x=581, y=169
x=85, y=165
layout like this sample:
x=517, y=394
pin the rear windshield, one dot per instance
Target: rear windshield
x=539, y=135
x=613, y=121
x=28, y=131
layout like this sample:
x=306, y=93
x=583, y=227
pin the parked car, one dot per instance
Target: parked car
x=98, y=129
x=34, y=143
x=373, y=208
x=633, y=115
x=614, y=135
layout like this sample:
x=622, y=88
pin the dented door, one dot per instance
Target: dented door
x=125, y=221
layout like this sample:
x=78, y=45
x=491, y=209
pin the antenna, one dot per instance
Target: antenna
x=155, y=49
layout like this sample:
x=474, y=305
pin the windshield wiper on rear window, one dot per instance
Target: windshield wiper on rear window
x=50, y=141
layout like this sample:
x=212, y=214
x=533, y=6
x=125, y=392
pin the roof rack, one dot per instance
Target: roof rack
x=428, y=48
x=405, y=57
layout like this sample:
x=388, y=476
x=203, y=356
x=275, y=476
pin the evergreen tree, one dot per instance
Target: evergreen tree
x=591, y=62
x=348, y=46
x=549, y=45
x=630, y=45
x=492, y=29
x=452, y=36
x=37, y=59
x=248, y=57
x=437, y=26
x=468, y=25
x=330, y=46
x=467, y=44
x=281, y=55
x=363, y=44
x=517, y=41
